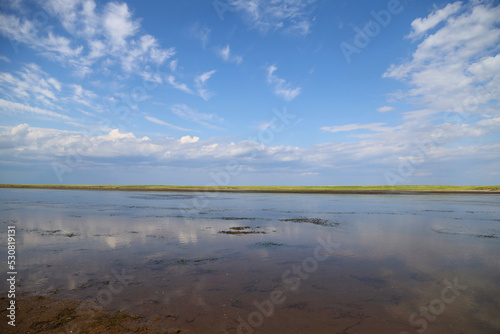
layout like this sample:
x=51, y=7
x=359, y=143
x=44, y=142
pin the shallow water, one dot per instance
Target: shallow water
x=242, y=263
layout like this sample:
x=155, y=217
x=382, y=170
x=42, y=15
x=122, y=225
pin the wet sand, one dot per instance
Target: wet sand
x=38, y=314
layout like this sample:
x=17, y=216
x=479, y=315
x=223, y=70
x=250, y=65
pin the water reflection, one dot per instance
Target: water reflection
x=396, y=253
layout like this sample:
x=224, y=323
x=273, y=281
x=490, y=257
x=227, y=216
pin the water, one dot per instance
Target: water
x=265, y=263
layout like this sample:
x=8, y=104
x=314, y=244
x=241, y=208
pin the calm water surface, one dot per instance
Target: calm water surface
x=265, y=263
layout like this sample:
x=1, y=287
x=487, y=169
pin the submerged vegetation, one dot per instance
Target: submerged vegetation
x=315, y=221
x=242, y=230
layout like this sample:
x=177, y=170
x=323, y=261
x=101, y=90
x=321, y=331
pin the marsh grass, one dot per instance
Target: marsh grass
x=272, y=189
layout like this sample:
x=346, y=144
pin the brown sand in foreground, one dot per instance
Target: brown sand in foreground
x=40, y=314
x=48, y=315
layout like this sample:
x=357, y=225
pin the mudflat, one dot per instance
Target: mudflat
x=184, y=262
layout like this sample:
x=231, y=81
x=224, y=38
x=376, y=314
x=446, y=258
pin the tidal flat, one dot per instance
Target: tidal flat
x=93, y=261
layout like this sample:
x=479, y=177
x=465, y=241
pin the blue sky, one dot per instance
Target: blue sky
x=248, y=92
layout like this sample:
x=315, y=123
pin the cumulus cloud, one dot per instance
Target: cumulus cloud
x=118, y=25
x=24, y=143
x=421, y=25
x=454, y=75
x=95, y=37
x=189, y=140
x=50, y=143
x=456, y=67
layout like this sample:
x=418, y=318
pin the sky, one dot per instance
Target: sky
x=250, y=92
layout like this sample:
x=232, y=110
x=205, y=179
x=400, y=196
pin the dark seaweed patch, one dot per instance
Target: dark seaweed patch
x=446, y=211
x=242, y=230
x=234, y=218
x=196, y=261
x=239, y=228
x=268, y=244
x=315, y=221
x=485, y=236
x=63, y=317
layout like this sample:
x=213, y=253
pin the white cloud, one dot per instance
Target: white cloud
x=456, y=68
x=152, y=77
x=281, y=88
x=24, y=31
x=201, y=79
x=199, y=82
x=204, y=119
x=180, y=86
x=32, y=85
x=421, y=140
x=160, y=122
x=225, y=54
x=54, y=83
x=5, y=59
x=292, y=16
x=264, y=125
x=201, y=33
x=189, y=140
x=65, y=10
x=93, y=40
x=377, y=150
x=173, y=65
x=82, y=95
x=97, y=49
x=379, y=127
x=118, y=24
x=45, y=144
x=8, y=107
x=143, y=51
x=421, y=25
x=385, y=109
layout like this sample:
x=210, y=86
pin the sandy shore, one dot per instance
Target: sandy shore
x=48, y=315
x=39, y=314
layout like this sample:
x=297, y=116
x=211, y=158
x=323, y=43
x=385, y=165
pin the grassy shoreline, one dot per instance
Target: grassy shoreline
x=276, y=189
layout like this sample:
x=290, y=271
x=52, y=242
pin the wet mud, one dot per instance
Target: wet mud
x=92, y=262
